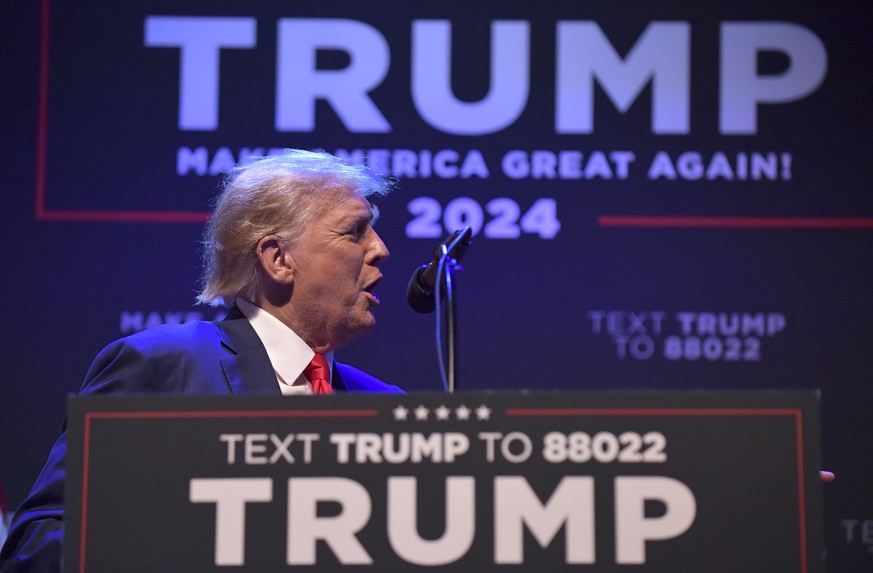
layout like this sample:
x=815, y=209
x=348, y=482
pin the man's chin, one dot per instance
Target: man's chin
x=369, y=326
x=358, y=330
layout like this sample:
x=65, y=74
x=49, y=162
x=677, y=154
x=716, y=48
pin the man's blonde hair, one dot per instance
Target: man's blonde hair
x=279, y=194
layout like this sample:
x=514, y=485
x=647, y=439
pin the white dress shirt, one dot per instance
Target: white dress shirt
x=288, y=353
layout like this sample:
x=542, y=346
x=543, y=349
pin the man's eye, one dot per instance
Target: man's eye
x=359, y=230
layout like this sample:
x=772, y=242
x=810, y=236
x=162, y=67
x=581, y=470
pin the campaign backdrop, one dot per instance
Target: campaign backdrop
x=670, y=195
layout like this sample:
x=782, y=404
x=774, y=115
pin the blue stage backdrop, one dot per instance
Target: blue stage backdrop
x=664, y=194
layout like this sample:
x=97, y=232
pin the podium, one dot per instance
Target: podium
x=592, y=481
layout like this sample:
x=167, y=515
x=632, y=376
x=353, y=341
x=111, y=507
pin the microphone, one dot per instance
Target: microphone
x=422, y=285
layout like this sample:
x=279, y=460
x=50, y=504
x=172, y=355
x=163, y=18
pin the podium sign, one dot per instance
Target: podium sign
x=660, y=481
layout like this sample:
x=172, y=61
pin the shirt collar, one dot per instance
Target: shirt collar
x=288, y=353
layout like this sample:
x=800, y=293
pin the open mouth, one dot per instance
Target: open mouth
x=369, y=290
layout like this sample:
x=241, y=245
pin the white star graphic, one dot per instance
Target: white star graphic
x=442, y=413
x=483, y=412
x=400, y=413
x=421, y=413
x=462, y=412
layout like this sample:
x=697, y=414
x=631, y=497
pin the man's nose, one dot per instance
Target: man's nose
x=378, y=251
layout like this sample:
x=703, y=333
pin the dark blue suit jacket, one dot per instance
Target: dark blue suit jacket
x=224, y=357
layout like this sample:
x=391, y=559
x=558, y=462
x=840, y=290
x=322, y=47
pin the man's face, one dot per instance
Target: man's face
x=335, y=269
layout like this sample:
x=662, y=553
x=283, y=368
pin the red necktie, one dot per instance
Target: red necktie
x=318, y=373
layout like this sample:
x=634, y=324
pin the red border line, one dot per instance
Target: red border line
x=123, y=216
x=42, y=111
x=796, y=413
x=40, y=211
x=801, y=490
x=151, y=415
x=146, y=415
x=652, y=411
x=85, y=466
x=729, y=222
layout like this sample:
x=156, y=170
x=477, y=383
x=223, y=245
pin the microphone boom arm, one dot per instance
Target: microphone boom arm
x=427, y=287
x=422, y=286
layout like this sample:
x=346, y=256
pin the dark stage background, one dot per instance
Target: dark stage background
x=666, y=195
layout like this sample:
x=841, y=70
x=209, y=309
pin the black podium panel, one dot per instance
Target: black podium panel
x=643, y=481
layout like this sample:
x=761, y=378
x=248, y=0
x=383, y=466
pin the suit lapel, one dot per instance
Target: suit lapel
x=348, y=379
x=337, y=382
x=246, y=364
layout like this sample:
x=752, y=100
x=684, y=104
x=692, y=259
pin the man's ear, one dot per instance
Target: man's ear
x=275, y=259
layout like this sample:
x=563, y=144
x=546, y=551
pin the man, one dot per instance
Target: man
x=291, y=247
